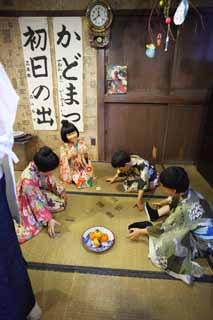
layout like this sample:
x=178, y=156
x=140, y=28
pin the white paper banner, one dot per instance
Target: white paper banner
x=69, y=56
x=35, y=42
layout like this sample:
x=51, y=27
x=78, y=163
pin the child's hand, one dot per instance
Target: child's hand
x=81, y=160
x=110, y=180
x=51, y=227
x=139, y=204
x=135, y=233
x=156, y=204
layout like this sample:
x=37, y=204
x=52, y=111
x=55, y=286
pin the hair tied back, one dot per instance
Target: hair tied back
x=45, y=151
x=65, y=123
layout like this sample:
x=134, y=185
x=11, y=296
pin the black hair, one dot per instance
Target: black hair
x=67, y=127
x=46, y=160
x=120, y=158
x=175, y=178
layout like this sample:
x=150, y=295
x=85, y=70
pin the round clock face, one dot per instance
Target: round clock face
x=99, y=16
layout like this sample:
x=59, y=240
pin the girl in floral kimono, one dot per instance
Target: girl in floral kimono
x=39, y=196
x=139, y=175
x=185, y=235
x=74, y=166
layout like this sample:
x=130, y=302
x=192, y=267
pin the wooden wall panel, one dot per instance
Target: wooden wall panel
x=128, y=44
x=135, y=128
x=164, y=104
x=194, y=55
x=183, y=133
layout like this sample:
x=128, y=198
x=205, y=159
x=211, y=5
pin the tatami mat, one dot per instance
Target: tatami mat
x=102, y=171
x=85, y=289
x=82, y=212
x=89, y=208
x=71, y=296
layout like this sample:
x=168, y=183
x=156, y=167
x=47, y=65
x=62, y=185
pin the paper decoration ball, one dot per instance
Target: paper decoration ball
x=168, y=20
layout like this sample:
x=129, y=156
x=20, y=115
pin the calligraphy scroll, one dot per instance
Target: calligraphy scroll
x=69, y=55
x=36, y=48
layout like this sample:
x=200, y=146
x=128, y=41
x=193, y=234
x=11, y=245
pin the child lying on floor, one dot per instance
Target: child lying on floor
x=39, y=196
x=185, y=235
x=139, y=174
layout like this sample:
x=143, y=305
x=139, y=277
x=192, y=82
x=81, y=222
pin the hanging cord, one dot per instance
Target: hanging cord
x=151, y=36
x=198, y=12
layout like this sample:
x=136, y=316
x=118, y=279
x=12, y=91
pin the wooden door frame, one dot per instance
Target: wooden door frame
x=100, y=103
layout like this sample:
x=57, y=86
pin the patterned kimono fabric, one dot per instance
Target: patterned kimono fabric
x=38, y=197
x=141, y=175
x=176, y=243
x=70, y=169
x=16, y=296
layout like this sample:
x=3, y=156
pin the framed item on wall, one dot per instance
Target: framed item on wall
x=116, y=79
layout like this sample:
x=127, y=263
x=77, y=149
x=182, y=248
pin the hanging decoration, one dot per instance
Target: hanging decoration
x=150, y=47
x=158, y=40
x=181, y=12
x=168, y=21
x=150, y=50
x=163, y=8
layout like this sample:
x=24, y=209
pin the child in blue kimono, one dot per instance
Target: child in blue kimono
x=185, y=235
x=139, y=175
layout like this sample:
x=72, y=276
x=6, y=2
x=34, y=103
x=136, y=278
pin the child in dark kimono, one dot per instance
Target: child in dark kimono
x=185, y=235
x=138, y=173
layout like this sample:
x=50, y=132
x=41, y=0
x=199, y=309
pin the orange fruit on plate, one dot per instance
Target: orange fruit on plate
x=104, y=237
x=92, y=235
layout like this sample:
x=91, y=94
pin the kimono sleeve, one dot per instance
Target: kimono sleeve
x=55, y=187
x=155, y=230
x=34, y=202
x=64, y=168
x=144, y=177
x=83, y=148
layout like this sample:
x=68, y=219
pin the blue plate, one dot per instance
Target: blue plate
x=88, y=243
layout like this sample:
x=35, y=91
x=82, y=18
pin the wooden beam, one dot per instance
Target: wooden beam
x=135, y=97
x=100, y=103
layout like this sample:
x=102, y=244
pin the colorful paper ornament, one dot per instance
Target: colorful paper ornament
x=167, y=42
x=181, y=12
x=150, y=50
x=158, y=40
x=168, y=20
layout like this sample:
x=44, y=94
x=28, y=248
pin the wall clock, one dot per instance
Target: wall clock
x=99, y=16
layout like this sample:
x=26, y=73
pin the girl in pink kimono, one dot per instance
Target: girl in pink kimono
x=39, y=196
x=74, y=165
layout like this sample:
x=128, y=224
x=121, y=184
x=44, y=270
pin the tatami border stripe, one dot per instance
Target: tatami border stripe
x=210, y=263
x=162, y=166
x=82, y=193
x=108, y=271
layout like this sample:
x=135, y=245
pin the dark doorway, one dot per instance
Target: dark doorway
x=205, y=160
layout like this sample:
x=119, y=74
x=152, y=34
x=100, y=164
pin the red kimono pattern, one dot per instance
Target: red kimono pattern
x=38, y=196
x=71, y=168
